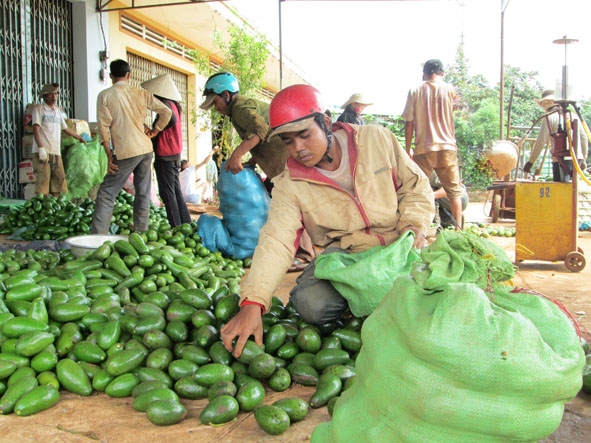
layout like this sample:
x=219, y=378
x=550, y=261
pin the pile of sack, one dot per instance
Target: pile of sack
x=453, y=352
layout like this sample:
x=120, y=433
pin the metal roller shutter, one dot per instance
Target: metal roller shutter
x=35, y=48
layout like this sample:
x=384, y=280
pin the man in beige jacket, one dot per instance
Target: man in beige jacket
x=121, y=113
x=351, y=188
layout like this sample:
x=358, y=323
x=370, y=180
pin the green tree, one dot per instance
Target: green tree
x=522, y=88
x=475, y=133
x=473, y=90
x=477, y=114
x=584, y=108
x=476, y=120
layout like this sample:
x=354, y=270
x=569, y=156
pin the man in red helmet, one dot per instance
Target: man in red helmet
x=350, y=187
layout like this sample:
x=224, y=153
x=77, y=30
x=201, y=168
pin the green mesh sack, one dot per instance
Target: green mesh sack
x=363, y=278
x=86, y=165
x=458, y=365
x=460, y=256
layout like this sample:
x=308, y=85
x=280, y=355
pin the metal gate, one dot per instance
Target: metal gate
x=143, y=69
x=51, y=53
x=35, y=48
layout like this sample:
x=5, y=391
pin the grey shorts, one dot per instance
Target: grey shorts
x=316, y=300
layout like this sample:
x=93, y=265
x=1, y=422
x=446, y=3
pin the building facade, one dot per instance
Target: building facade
x=73, y=42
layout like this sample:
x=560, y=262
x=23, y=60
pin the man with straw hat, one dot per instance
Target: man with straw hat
x=353, y=109
x=168, y=145
x=48, y=123
x=550, y=127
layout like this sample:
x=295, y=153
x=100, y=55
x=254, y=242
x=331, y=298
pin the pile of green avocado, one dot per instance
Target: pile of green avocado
x=46, y=217
x=141, y=318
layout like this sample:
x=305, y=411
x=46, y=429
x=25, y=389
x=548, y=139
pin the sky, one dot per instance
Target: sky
x=377, y=48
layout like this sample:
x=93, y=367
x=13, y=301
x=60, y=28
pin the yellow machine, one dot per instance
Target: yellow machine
x=546, y=221
x=546, y=213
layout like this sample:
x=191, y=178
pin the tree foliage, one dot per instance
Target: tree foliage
x=473, y=90
x=475, y=133
x=521, y=90
x=477, y=117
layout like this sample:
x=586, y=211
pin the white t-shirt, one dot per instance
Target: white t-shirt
x=342, y=176
x=51, y=123
x=187, y=179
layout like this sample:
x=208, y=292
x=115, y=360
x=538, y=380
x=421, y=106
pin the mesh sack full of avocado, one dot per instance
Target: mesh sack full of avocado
x=464, y=362
x=363, y=278
x=86, y=165
x=244, y=204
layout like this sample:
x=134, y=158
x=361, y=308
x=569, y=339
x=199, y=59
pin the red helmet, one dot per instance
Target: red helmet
x=295, y=103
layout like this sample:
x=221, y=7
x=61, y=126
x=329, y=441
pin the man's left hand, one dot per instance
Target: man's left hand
x=112, y=167
x=527, y=167
x=151, y=132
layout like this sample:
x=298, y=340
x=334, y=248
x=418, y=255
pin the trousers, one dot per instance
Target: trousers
x=169, y=188
x=316, y=300
x=141, y=167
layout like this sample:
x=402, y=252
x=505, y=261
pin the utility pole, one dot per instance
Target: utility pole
x=502, y=82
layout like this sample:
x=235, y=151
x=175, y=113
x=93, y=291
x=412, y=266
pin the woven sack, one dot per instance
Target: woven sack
x=459, y=365
x=459, y=256
x=363, y=278
x=214, y=235
x=244, y=204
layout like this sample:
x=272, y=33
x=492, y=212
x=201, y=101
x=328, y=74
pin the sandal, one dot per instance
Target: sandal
x=298, y=265
x=301, y=260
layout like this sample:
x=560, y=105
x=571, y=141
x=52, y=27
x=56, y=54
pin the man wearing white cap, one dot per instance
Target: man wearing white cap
x=168, y=145
x=48, y=123
x=121, y=112
x=550, y=126
x=353, y=109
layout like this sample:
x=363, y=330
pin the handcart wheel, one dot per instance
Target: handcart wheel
x=496, y=208
x=575, y=261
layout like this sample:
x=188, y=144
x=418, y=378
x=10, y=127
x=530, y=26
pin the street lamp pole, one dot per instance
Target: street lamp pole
x=565, y=41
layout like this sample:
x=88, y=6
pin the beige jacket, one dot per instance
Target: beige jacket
x=121, y=113
x=391, y=193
